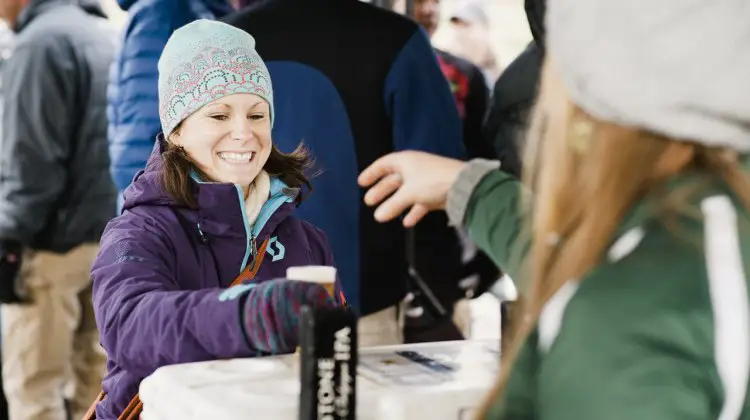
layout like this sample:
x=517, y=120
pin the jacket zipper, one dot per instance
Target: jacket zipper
x=253, y=245
x=273, y=204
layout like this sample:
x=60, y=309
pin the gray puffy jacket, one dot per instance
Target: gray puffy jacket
x=55, y=188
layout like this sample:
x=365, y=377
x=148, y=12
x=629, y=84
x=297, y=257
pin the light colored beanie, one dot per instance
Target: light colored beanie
x=206, y=60
x=680, y=68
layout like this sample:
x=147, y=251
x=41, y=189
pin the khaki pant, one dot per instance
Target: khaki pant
x=50, y=348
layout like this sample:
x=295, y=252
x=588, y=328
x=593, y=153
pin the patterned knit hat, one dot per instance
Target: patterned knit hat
x=206, y=60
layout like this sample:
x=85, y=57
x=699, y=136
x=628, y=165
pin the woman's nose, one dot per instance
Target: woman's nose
x=242, y=129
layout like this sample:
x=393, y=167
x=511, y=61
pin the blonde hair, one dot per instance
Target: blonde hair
x=586, y=174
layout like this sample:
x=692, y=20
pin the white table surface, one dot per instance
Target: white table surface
x=390, y=386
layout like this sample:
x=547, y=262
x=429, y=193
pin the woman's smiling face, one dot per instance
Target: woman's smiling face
x=228, y=139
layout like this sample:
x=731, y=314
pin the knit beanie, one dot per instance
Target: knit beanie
x=206, y=60
x=674, y=67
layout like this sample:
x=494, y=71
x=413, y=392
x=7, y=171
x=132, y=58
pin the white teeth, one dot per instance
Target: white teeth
x=236, y=157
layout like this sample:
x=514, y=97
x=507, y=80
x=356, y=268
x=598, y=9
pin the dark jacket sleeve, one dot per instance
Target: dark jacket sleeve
x=419, y=102
x=512, y=100
x=133, y=98
x=37, y=123
x=476, y=109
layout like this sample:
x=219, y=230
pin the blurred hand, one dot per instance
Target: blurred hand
x=271, y=312
x=409, y=180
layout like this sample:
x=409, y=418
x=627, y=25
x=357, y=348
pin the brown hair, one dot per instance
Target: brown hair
x=586, y=174
x=289, y=167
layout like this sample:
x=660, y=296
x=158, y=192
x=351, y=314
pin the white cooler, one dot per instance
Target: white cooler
x=435, y=381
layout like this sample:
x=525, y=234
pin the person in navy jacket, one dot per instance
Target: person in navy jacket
x=355, y=82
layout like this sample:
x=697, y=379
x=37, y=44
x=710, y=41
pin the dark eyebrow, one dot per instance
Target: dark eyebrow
x=217, y=105
x=223, y=105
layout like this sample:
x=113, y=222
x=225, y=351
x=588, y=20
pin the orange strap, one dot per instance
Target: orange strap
x=133, y=410
x=135, y=407
x=251, y=270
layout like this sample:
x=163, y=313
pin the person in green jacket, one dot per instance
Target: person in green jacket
x=631, y=239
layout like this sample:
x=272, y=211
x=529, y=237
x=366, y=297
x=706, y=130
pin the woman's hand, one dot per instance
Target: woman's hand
x=272, y=311
x=409, y=180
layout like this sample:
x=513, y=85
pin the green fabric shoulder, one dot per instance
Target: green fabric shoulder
x=497, y=224
x=636, y=338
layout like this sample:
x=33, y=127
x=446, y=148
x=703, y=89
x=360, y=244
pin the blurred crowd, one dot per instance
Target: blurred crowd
x=158, y=178
x=80, y=121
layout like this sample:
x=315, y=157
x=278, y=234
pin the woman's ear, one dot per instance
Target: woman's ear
x=174, y=138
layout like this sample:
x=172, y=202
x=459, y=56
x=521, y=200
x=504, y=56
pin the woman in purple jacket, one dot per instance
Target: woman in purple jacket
x=214, y=190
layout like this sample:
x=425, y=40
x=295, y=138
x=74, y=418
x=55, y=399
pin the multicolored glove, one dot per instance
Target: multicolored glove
x=271, y=313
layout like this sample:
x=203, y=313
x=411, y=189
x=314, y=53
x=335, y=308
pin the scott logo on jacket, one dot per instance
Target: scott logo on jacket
x=275, y=249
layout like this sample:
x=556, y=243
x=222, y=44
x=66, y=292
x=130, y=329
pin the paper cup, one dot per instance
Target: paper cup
x=320, y=274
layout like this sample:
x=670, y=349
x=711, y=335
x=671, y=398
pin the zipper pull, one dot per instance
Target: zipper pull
x=200, y=233
x=253, y=245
